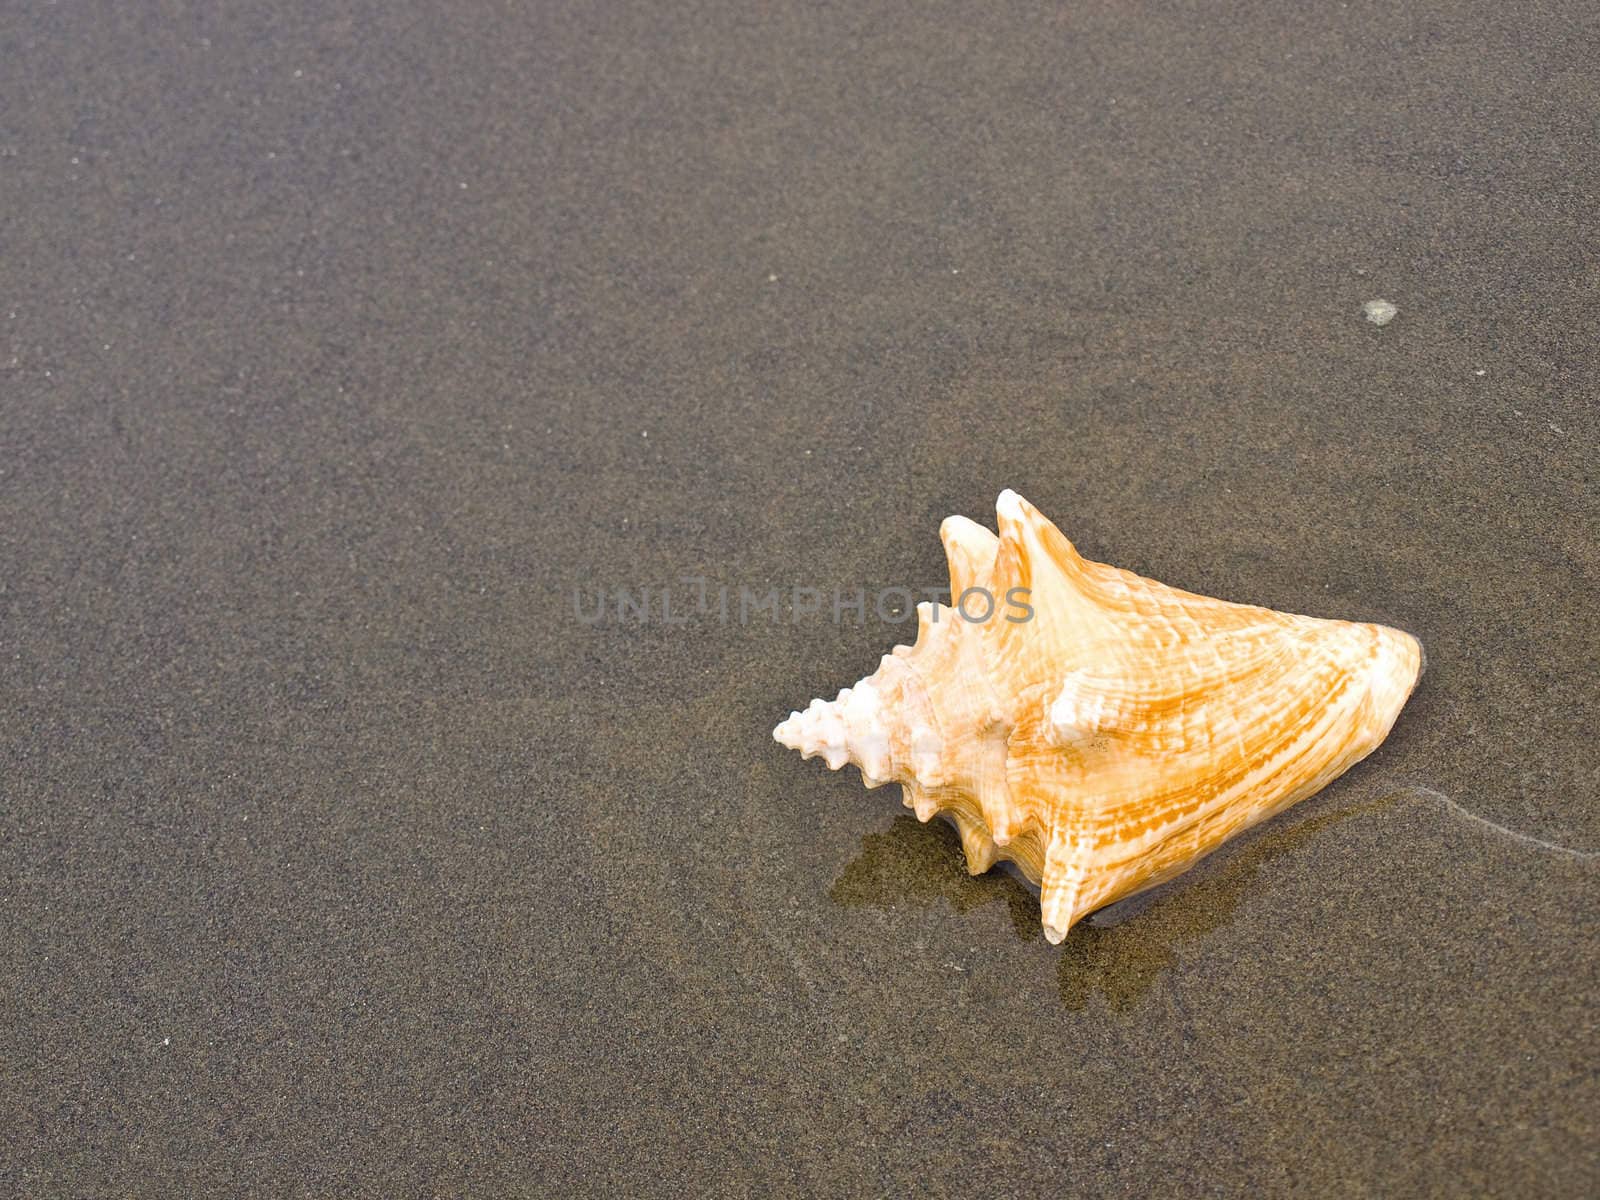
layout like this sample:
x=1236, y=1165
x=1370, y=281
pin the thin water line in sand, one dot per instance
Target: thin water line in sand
x=1527, y=838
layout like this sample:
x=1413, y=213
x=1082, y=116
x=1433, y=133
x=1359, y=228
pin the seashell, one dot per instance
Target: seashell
x=1117, y=735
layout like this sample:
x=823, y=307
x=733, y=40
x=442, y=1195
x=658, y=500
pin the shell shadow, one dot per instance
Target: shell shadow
x=916, y=864
x=1108, y=952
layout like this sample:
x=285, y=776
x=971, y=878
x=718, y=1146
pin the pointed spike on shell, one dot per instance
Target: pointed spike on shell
x=1032, y=536
x=1013, y=515
x=969, y=550
x=1012, y=565
x=1065, y=865
x=976, y=843
x=998, y=812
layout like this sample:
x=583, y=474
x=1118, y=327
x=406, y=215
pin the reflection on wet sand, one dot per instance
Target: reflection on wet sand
x=1109, y=952
x=911, y=863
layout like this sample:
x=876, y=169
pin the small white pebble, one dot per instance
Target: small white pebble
x=1480, y=372
x=771, y=278
x=1379, y=312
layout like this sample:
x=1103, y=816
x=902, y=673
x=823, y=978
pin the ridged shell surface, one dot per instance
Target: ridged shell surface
x=1114, y=730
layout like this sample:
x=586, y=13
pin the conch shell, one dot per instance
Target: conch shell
x=1118, y=735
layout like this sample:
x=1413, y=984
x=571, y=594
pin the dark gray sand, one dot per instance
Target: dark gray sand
x=341, y=343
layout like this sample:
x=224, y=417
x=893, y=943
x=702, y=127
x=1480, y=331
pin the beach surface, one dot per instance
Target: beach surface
x=362, y=365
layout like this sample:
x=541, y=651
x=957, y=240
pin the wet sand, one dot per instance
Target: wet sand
x=342, y=347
